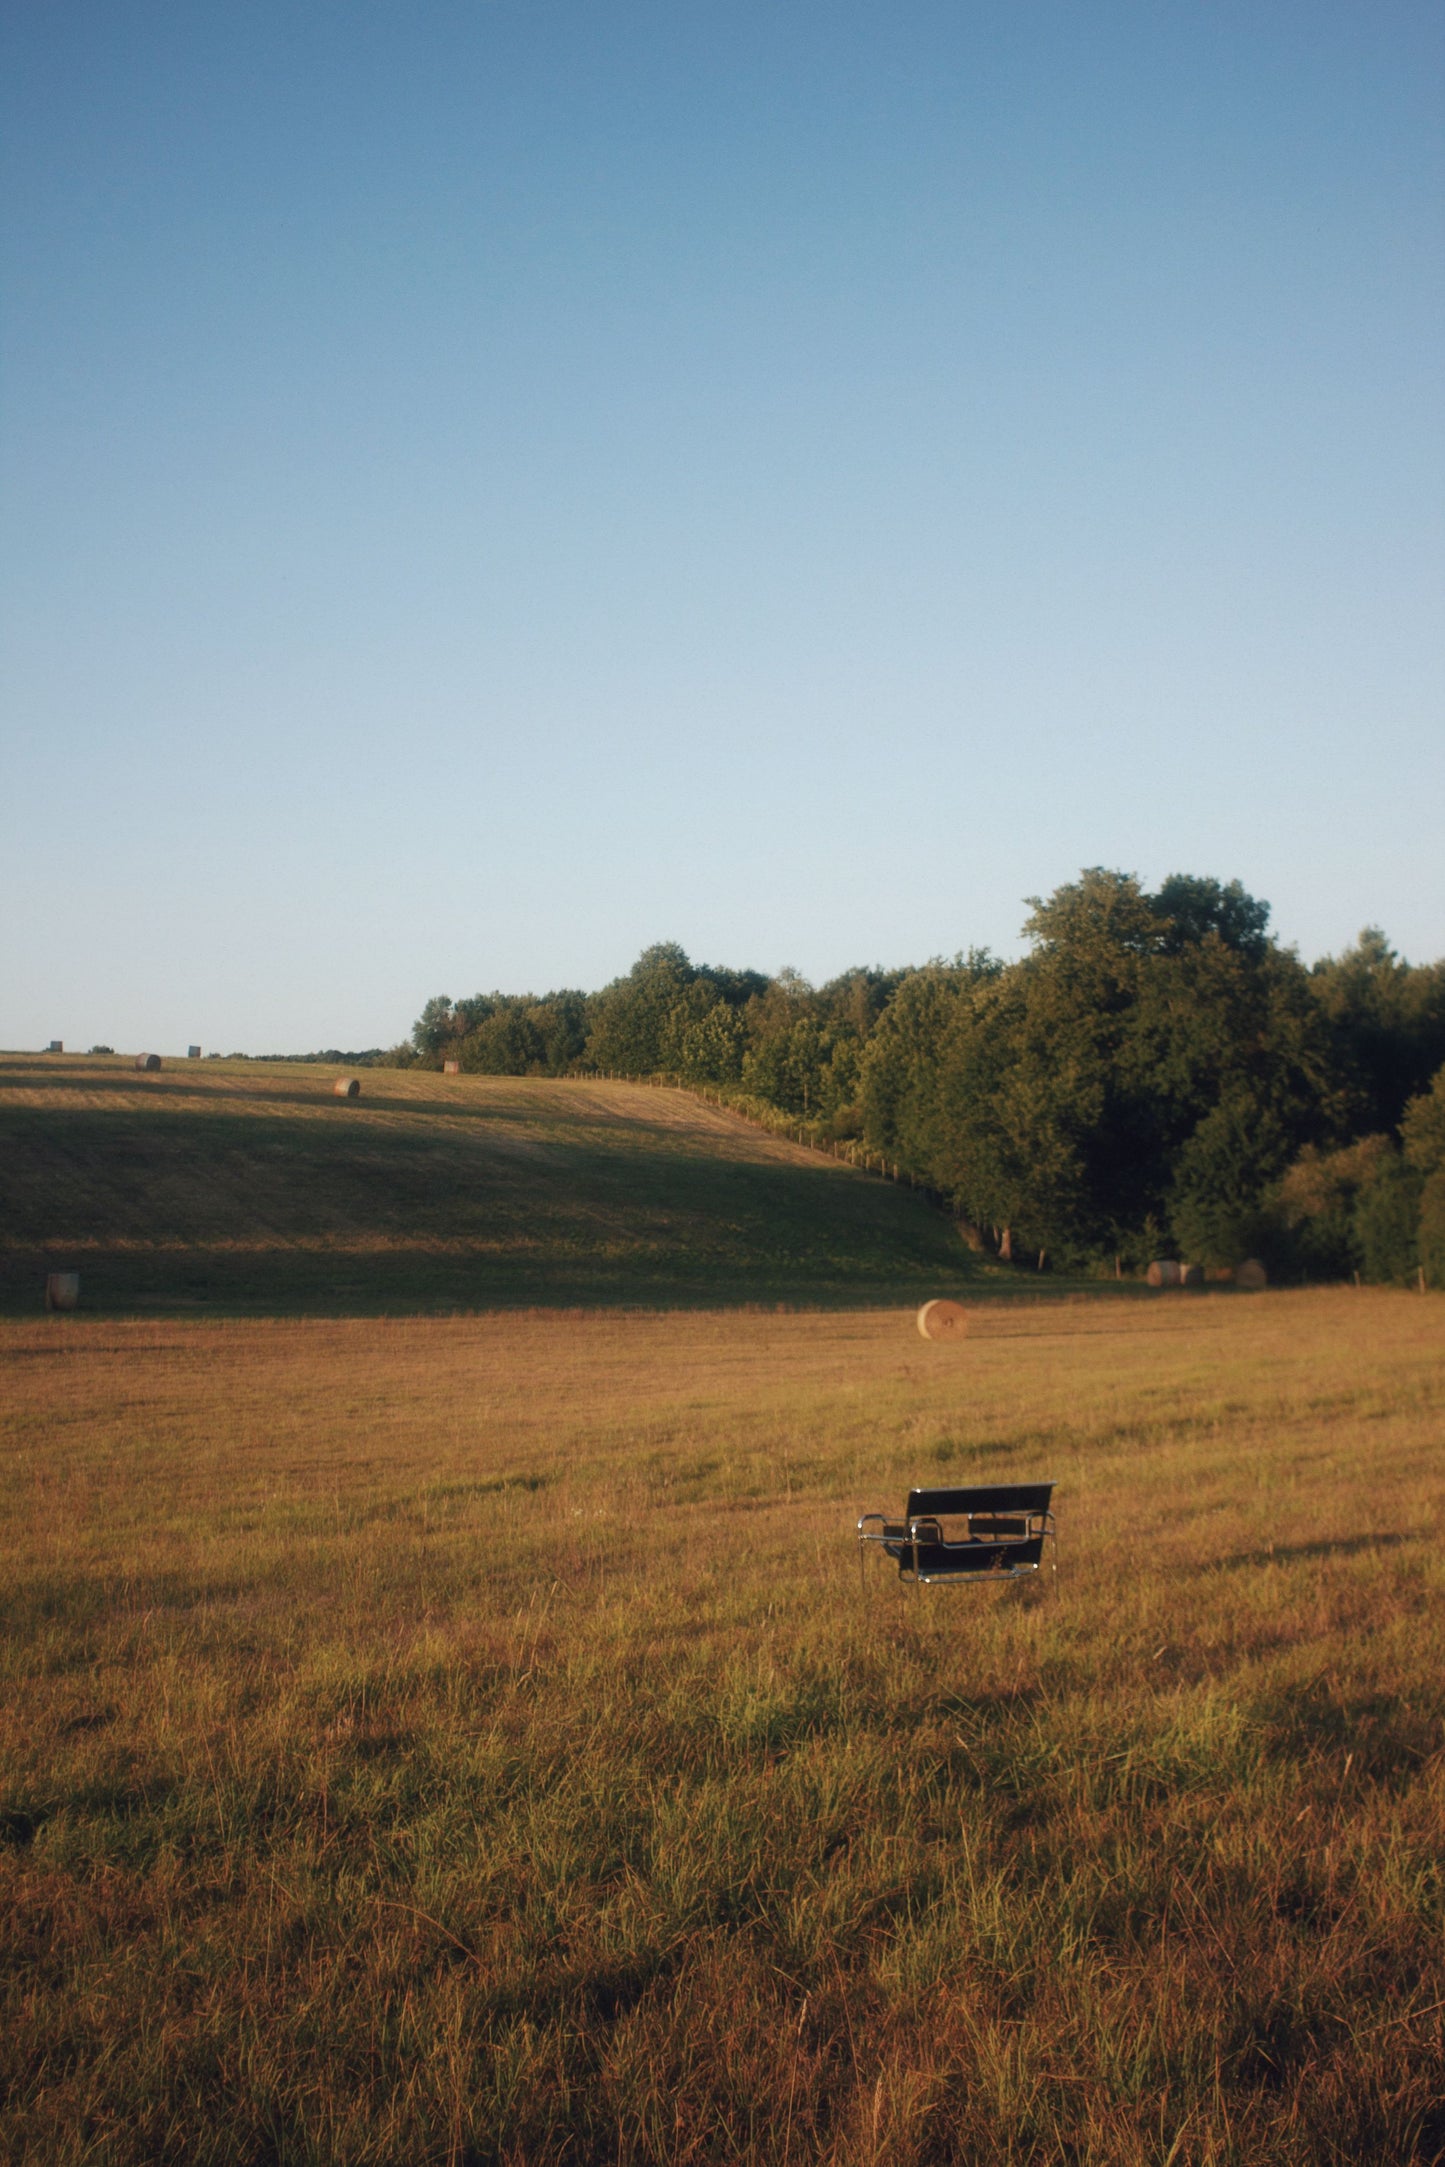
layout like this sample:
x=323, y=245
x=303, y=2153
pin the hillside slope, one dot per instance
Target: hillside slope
x=247, y=1186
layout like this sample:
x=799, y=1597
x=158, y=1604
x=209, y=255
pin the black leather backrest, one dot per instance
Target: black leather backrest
x=986, y=1497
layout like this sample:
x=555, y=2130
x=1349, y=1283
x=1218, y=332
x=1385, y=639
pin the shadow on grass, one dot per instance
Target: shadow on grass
x=254, y=1212
x=248, y=1211
x=1325, y=1546
x=193, y=1281
x=1380, y=1736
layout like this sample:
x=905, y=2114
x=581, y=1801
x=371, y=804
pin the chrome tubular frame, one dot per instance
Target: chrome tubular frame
x=875, y=1527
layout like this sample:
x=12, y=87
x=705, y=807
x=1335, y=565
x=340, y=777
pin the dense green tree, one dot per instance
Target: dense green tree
x=631, y=1027
x=1081, y=1120
x=503, y=1034
x=1012, y=1123
x=706, y=1045
x=805, y=1044
x=561, y=1023
x=1240, y=1082
x=1387, y=1221
x=656, y=1019
x=505, y=1043
x=435, y=1027
x=1386, y=1025
x=898, y=1081
x=1157, y=1068
x=1218, y=1210
x=1139, y=1065
x=1423, y=1128
x=1195, y=908
x=1317, y=1205
x=788, y=1066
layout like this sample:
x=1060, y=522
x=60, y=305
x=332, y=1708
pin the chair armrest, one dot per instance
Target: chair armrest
x=877, y=1527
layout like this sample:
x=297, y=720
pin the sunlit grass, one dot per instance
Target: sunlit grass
x=469, y=1740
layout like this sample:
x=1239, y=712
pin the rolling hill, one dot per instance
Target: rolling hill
x=246, y=1186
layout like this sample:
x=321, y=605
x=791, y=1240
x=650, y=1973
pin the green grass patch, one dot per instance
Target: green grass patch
x=247, y=1188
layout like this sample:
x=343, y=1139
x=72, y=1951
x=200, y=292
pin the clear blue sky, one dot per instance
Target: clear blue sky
x=489, y=486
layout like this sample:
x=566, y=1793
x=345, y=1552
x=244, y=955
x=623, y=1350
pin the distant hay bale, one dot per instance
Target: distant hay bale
x=1191, y=1275
x=943, y=1320
x=451, y=1068
x=62, y=1290
x=1163, y=1272
x=347, y=1087
x=148, y=1062
x=1251, y=1274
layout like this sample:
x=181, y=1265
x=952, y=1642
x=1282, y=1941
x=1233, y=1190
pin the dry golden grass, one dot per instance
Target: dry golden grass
x=467, y=1740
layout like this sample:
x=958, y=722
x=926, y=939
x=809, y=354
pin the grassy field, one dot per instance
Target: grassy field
x=246, y=1187
x=466, y=1739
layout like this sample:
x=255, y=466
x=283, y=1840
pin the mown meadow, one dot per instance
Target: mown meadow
x=246, y=1186
x=467, y=1739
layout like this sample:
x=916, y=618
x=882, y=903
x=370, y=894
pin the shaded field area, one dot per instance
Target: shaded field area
x=468, y=1740
x=246, y=1187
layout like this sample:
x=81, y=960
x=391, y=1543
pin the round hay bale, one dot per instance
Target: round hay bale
x=148, y=1063
x=62, y=1290
x=451, y=1068
x=1163, y=1272
x=1191, y=1275
x=943, y=1320
x=1251, y=1274
x=347, y=1087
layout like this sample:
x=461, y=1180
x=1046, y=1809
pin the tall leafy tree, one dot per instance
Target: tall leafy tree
x=1423, y=1128
x=630, y=1031
x=1386, y=1024
x=1156, y=1066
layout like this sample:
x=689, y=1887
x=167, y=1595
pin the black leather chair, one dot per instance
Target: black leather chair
x=989, y=1531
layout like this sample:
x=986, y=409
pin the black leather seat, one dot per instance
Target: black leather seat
x=989, y=1531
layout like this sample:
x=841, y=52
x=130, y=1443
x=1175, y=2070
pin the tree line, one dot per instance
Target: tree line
x=1156, y=1077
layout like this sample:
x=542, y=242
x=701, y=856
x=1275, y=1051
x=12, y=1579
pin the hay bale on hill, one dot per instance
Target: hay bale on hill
x=1191, y=1275
x=1251, y=1274
x=451, y=1068
x=1163, y=1272
x=62, y=1290
x=943, y=1320
x=148, y=1062
x=347, y=1087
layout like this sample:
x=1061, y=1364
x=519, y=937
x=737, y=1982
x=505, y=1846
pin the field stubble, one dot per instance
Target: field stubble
x=467, y=1740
